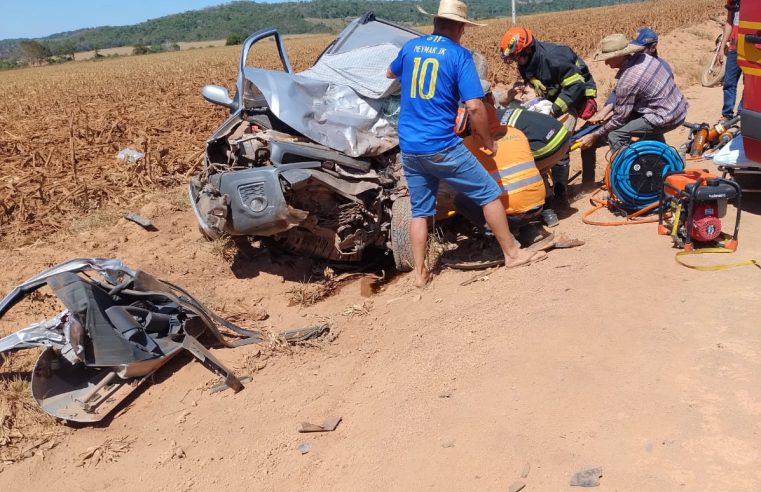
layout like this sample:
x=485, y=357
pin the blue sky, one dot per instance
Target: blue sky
x=39, y=18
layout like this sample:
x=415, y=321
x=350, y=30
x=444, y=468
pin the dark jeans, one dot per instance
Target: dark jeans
x=638, y=127
x=475, y=214
x=560, y=172
x=731, y=78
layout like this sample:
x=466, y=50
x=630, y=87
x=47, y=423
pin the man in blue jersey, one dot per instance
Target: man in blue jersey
x=436, y=73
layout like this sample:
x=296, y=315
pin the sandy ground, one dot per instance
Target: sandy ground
x=609, y=355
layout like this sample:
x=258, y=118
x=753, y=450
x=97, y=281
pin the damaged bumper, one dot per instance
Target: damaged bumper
x=247, y=202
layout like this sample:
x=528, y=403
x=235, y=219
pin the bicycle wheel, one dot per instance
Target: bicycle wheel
x=713, y=74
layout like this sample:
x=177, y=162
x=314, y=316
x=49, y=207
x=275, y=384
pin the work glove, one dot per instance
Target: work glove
x=556, y=111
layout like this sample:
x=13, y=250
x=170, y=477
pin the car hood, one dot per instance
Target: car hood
x=345, y=101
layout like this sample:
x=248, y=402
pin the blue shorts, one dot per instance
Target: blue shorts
x=458, y=167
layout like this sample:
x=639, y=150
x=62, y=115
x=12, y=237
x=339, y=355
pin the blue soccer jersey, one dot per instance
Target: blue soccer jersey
x=436, y=74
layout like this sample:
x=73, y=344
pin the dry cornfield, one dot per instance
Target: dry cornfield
x=583, y=29
x=62, y=126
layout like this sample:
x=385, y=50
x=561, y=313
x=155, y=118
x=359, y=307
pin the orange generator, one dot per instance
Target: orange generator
x=697, y=200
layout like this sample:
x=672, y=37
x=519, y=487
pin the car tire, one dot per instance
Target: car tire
x=401, y=247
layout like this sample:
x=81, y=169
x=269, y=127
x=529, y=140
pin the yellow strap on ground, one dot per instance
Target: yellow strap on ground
x=677, y=216
x=711, y=268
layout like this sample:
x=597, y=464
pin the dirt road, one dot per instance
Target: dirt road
x=609, y=355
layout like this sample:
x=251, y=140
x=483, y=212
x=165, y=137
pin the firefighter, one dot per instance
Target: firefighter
x=549, y=139
x=559, y=75
x=523, y=191
x=529, y=145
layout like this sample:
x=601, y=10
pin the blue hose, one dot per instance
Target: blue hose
x=637, y=172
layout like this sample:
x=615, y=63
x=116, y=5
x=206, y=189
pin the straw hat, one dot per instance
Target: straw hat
x=453, y=10
x=616, y=45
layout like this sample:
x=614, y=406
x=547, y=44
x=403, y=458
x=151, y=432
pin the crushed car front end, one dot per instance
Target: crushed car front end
x=308, y=160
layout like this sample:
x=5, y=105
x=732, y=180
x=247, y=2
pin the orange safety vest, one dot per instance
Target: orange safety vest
x=514, y=170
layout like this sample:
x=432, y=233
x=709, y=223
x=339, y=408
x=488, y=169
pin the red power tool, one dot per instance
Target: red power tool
x=697, y=200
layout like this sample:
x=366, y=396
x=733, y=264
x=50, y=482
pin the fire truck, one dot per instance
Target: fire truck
x=749, y=59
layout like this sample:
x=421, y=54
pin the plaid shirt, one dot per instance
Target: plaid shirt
x=646, y=89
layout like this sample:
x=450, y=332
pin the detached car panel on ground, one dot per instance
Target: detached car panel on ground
x=310, y=161
x=119, y=327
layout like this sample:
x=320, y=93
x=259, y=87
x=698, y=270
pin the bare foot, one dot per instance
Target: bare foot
x=524, y=257
x=422, y=279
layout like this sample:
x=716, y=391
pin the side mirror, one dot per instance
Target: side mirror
x=218, y=95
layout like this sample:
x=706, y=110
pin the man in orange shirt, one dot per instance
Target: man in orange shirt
x=513, y=168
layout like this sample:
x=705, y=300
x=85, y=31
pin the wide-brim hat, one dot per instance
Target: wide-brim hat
x=453, y=10
x=616, y=45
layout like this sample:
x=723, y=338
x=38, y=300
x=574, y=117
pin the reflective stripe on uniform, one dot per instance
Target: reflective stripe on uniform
x=517, y=185
x=590, y=93
x=573, y=79
x=517, y=168
x=561, y=104
x=552, y=145
x=514, y=117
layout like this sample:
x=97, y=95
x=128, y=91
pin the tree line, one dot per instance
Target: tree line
x=240, y=18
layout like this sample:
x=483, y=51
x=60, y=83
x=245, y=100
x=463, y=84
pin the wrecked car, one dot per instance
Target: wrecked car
x=309, y=161
x=119, y=326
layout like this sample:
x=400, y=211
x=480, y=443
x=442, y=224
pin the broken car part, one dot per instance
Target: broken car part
x=309, y=161
x=115, y=332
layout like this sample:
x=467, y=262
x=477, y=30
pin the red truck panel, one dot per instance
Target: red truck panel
x=749, y=59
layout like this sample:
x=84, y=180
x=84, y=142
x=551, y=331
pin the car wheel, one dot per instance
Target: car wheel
x=401, y=247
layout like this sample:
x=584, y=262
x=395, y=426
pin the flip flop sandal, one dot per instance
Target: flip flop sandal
x=475, y=265
x=545, y=244
x=484, y=264
x=535, y=258
x=565, y=243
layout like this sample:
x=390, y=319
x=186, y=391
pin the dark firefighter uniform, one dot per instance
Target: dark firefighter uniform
x=558, y=75
x=545, y=134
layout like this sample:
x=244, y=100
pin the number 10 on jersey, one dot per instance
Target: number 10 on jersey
x=424, y=78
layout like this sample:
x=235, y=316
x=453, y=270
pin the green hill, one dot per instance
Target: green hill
x=244, y=17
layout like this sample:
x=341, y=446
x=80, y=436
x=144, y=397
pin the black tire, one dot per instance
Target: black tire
x=401, y=247
x=713, y=74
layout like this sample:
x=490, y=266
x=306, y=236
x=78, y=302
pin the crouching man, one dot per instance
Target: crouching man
x=530, y=144
x=516, y=174
x=648, y=102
